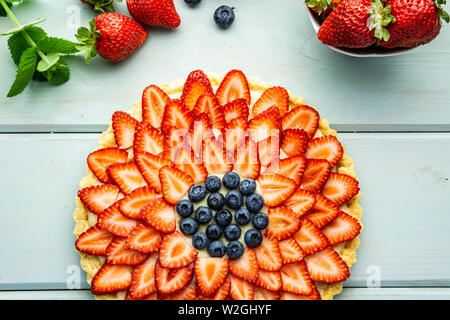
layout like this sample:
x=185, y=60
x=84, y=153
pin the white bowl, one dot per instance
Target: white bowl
x=360, y=53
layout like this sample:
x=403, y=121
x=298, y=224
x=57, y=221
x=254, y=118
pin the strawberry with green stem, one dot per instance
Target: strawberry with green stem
x=102, y=5
x=322, y=7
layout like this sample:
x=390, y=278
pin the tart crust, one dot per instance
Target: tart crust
x=91, y=263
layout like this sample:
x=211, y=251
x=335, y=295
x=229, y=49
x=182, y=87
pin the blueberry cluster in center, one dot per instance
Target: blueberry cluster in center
x=239, y=202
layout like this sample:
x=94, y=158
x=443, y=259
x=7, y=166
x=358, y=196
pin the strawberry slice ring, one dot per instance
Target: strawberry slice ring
x=218, y=187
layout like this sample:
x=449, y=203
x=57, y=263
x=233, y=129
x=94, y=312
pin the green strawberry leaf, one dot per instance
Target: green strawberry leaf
x=103, y=5
x=17, y=44
x=320, y=5
x=25, y=72
x=50, y=61
x=59, y=73
x=20, y=28
x=88, y=38
x=57, y=45
x=441, y=12
x=380, y=18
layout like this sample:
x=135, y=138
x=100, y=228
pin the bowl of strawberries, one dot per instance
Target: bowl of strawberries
x=376, y=28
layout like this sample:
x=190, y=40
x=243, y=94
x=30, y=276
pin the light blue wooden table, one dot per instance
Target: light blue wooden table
x=393, y=115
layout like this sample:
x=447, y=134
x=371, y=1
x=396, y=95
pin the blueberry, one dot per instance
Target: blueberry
x=200, y=240
x=188, y=226
x=216, y=249
x=260, y=220
x=192, y=3
x=197, y=193
x=235, y=249
x=224, y=16
x=213, y=231
x=216, y=201
x=232, y=232
x=247, y=187
x=185, y=208
x=213, y=184
x=242, y=216
x=223, y=217
x=253, y=238
x=231, y=180
x=234, y=199
x=254, y=202
x=203, y=214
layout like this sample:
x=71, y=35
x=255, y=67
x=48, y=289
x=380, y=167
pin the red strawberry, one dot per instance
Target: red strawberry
x=323, y=212
x=269, y=150
x=294, y=142
x=296, y=278
x=152, y=296
x=314, y=295
x=131, y=205
x=153, y=102
x=214, y=157
x=186, y=162
x=124, y=127
x=187, y=293
x=209, y=105
x=176, y=251
x=94, y=240
x=327, y=147
x=265, y=125
x=340, y=188
x=210, y=273
x=174, y=140
x=118, y=253
x=290, y=251
x=126, y=176
x=241, y=289
x=172, y=280
x=343, y=228
x=222, y=293
x=198, y=75
x=149, y=166
x=283, y=223
x=327, y=266
x=236, y=109
x=275, y=96
x=302, y=117
x=148, y=139
x=98, y=198
x=193, y=91
x=246, y=160
x=160, y=13
x=101, y=159
x=268, y=255
x=111, y=278
x=246, y=267
x=316, y=174
x=263, y=294
x=143, y=278
x=115, y=222
x=200, y=130
x=176, y=115
x=292, y=167
x=301, y=202
x=174, y=183
x=234, y=86
x=310, y=238
x=100, y=5
x=234, y=134
x=275, y=188
x=144, y=239
x=160, y=215
x=269, y=280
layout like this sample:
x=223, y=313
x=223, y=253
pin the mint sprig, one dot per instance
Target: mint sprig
x=25, y=72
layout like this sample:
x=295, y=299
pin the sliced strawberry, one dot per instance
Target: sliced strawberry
x=266, y=124
x=176, y=251
x=275, y=96
x=209, y=105
x=275, y=188
x=160, y=215
x=147, y=138
x=301, y=202
x=198, y=75
x=328, y=148
x=340, y=188
x=101, y=159
x=315, y=175
x=214, y=157
x=174, y=184
x=220, y=294
x=302, y=117
x=268, y=255
x=327, y=266
x=292, y=167
x=98, y=198
x=246, y=160
x=126, y=176
x=193, y=91
x=118, y=253
x=131, y=205
x=199, y=131
x=124, y=127
x=153, y=296
x=241, y=289
x=246, y=267
x=143, y=278
x=323, y=212
x=294, y=142
x=269, y=280
x=172, y=280
x=269, y=150
x=210, y=273
x=115, y=222
x=175, y=139
x=234, y=134
x=296, y=278
x=234, y=86
x=343, y=228
x=290, y=251
x=144, y=239
x=186, y=162
x=94, y=240
x=111, y=278
x=310, y=238
x=153, y=102
x=236, y=109
x=283, y=223
x=314, y=295
x=187, y=293
x=263, y=294
x=176, y=115
x=149, y=166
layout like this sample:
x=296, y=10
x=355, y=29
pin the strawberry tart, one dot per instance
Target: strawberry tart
x=218, y=187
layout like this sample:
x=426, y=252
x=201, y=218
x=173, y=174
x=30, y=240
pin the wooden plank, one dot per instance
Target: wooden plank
x=404, y=93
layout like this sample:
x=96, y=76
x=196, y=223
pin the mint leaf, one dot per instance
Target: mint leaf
x=51, y=60
x=25, y=72
x=2, y=10
x=59, y=73
x=57, y=45
x=17, y=43
x=20, y=28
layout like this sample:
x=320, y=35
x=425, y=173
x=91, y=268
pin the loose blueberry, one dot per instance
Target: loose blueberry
x=203, y=214
x=260, y=220
x=213, y=184
x=216, y=249
x=192, y=3
x=242, y=216
x=234, y=249
x=184, y=208
x=254, y=202
x=216, y=201
x=247, y=187
x=224, y=16
x=223, y=217
x=233, y=199
x=188, y=226
x=197, y=193
x=200, y=240
x=232, y=232
x=253, y=238
x=213, y=231
x=231, y=180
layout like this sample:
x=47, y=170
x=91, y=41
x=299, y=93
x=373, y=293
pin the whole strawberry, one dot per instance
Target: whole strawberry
x=112, y=35
x=154, y=12
x=101, y=5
